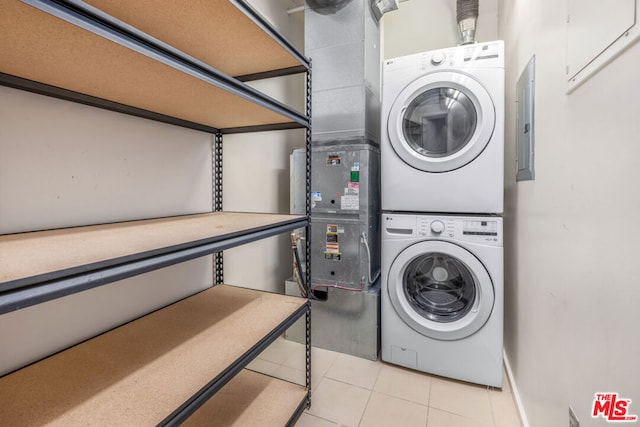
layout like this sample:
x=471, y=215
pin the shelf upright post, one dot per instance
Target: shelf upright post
x=308, y=233
x=217, y=201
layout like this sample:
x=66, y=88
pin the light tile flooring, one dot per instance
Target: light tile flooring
x=350, y=391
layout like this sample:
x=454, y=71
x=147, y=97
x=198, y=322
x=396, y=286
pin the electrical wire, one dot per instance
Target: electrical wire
x=329, y=285
x=363, y=239
x=297, y=267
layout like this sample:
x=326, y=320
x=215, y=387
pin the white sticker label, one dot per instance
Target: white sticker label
x=351, y=203
x=352, y=191
x=316, y=196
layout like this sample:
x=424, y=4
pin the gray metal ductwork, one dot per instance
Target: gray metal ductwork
x=467, y=17
x=327, y=7
x=380, y=7
x=342, y=38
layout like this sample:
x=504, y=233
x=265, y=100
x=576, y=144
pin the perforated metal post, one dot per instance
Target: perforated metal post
x=308, y=234
x=218, y=258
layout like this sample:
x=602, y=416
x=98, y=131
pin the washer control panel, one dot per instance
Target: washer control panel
x=436, y=227
x=480, y=228
x=485, y=230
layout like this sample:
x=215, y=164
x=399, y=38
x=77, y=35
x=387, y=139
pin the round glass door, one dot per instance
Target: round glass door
x=441, y=290
x=441, y=122
x=439, y=287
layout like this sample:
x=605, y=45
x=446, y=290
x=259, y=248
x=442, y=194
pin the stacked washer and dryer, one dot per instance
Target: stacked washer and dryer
x=442, y=158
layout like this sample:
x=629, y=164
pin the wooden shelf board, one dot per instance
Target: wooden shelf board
x=250, y=399
x=212, y=31
x=43, y=48
x=139, y=373
x=56, y=253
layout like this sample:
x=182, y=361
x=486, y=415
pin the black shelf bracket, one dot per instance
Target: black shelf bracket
x=218, y=257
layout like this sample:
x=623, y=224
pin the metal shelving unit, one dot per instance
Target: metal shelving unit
x=136, y=73
x=112, y=56
x=129, y=375
x=91, y=256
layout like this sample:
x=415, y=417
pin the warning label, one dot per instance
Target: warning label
x=332, y=245
x=333, y=160
x=332, y=256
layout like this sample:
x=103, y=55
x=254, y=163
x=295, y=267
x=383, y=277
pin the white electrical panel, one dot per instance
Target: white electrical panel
x=525, y=91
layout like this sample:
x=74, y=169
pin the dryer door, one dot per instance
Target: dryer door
x=441, y=121
x=441, y=290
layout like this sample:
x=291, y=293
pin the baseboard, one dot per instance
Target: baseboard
x=516, y=394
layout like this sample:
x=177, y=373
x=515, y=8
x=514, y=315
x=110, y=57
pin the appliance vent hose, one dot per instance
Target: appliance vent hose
x=467, y=16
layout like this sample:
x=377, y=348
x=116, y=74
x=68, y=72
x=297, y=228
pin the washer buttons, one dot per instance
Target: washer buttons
x=437, y=227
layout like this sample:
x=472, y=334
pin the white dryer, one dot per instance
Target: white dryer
x=442, y=295
x=442, y=141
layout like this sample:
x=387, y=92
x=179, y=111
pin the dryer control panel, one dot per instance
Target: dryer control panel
x=478, y=55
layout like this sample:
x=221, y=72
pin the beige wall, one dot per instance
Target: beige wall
x=423, y=25
x=64, y=164
x=572, y=295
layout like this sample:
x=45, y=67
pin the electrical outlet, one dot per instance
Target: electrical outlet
x=573, y=420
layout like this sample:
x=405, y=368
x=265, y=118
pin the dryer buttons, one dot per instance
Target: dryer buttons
x=438, y=58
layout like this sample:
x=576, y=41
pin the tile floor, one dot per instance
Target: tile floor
x=350, y=391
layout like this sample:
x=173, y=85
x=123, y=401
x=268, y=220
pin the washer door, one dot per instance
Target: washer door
x=441, y=290
x=441, y=121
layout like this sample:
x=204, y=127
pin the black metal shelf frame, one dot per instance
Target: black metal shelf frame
x=50, y=287
x=81, y=98
x=307, y=247
x=261, y=22
x=78, y=13
x=83, y=15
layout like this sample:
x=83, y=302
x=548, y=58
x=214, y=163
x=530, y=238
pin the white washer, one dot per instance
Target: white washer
x=442, y=141
x=442, y=295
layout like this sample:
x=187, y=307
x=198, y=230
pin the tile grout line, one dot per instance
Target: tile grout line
x=369, y=399
x=493, y=415
x=488, y=391
x=491, y=423
x=401, y=398
x=429, y=401
x=474, y=420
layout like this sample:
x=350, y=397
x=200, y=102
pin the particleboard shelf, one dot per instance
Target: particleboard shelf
x=126, y=69
x=215, y=32
x=69, y=260
x=251, y=399
x=139, y=373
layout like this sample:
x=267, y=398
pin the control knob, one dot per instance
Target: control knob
x=437, y=227
x=438, y=58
